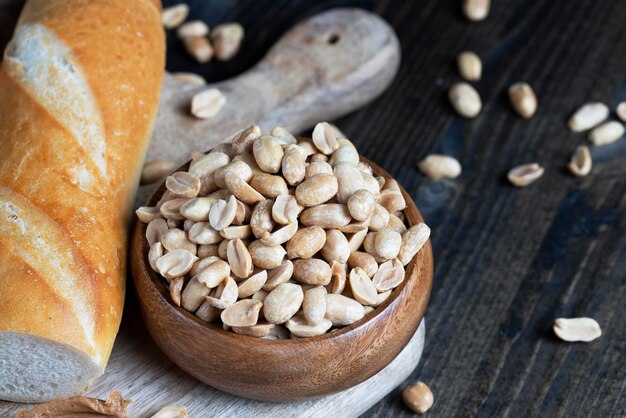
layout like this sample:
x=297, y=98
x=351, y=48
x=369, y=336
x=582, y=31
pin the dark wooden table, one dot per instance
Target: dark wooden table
x=508, y=261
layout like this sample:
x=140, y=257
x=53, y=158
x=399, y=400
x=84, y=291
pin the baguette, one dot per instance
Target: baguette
x=80, y=85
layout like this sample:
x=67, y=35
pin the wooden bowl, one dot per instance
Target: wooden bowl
x=283, y=370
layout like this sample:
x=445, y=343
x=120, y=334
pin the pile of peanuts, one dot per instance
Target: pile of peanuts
x=277, y=238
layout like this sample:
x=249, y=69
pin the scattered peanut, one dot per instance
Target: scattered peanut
x=226, y=40
x=437, y=166
x=190, y=78
x=193, y=29
x=470, y=66
x=476, y=10
x=418, y=397
x=525, y=174
x=580, y=164
x=606, y=133
x=523, y=99
x=588, y=116
x=577, y=329
x=207, y=104
x=174, y=16
x=465, y=100
x=199, y=48
x=171, y=411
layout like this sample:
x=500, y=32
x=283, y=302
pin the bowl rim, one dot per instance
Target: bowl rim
x=343, y=332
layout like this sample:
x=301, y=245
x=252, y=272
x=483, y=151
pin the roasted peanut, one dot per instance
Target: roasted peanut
x=197, y=209
x=293, y=164
x=306, y=242
x=206, y=104
x=193, y=294
x=266, y=256
x=176, y=287
x=239, y=258
x=317, y=167
x=175, y=239
x=312, y=271
x=207, y=250
x=183, y=184
x=171, y=209
x=285, y=137
x=268, y=154
x=242, y=190
x=577, y=329
x=261, y=219
x=203, y=233
x=236, y=231
x=337, y=278
x=365, y=261
x=362, y=287
x=349, y=180
x=155, y=252
x=412, y=241
x=244, y=313
x=225, y=294
x=226, y=39
x=269, y=185
x=282, y=303
x=155, y=229
x=418, y=397
x=336, y=247
x=279, y=275
x=208, y=312
x=341, y=310
x=173, y=16
x=252, y=284
x=344, y=154
x=327, y=215
x=148, y=213
x=214, y=274
x=314, y=305
x=379, y=219
x=260, y=330
x=316, y=190
x=324, y=138
x=300, y=327
x=389, y=275
x=361, y=205
x=281, y=235
x=387, y=243
x=285, y=209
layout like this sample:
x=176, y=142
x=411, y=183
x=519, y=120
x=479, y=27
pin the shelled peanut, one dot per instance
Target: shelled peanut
x=275, y=238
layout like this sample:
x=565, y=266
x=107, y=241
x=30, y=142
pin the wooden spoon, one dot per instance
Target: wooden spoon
x=323, y=68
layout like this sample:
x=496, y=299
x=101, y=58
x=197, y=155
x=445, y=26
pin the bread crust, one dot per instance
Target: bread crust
x=71, y=160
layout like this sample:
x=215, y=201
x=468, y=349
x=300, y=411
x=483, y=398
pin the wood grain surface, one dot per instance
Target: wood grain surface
x=283, y=370
x=508, y=261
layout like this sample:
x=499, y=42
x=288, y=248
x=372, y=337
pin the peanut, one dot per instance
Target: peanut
x=312, y=271
x=341, y=310
x=282, y=303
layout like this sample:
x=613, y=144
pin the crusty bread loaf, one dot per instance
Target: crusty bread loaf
x=79, y=89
